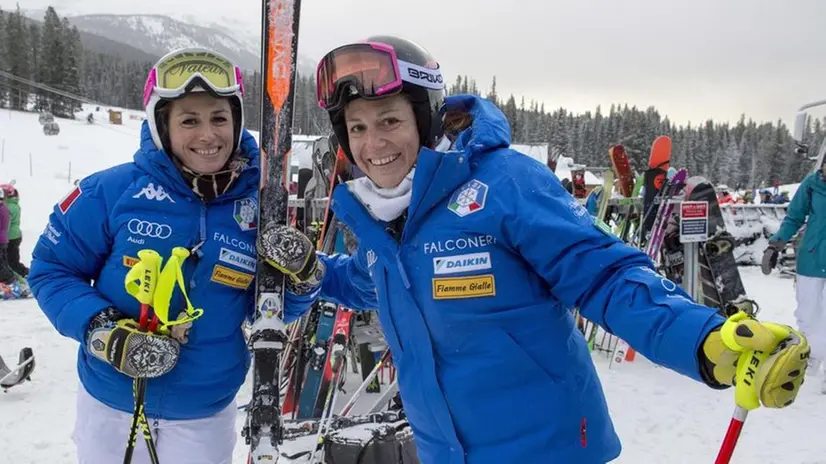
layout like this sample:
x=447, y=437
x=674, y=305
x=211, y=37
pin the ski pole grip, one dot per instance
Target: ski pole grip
x=746, y=395
x=141, y=279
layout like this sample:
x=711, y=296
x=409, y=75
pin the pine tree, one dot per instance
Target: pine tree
x=51, y=62
x=18, y=61
x=511, y=113
x=35, y=50
x=4, y=83
x=70, y=79
x=492, y=96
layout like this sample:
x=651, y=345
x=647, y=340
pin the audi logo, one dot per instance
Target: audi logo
x=149, y=229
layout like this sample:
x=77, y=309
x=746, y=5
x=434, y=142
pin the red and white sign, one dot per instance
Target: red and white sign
x=694, y=210
x=693, y=221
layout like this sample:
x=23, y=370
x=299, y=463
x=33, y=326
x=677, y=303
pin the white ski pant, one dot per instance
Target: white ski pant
x=811, y=313
x=101, y=432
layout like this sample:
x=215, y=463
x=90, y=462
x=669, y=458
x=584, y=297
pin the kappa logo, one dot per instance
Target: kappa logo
x=237, y=259
x=461, y=263
x=151, y=193
x=469, y=199
x=244, y=213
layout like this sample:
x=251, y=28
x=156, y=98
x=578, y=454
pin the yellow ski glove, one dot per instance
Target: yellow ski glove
x=777, y=379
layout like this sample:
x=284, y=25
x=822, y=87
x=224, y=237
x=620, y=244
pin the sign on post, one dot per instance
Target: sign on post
x=693, y=221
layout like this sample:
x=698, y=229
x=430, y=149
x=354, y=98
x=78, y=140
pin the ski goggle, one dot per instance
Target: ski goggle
x=180, y=71
x=370, y=70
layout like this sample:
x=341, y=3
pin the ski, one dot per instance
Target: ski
x=654, y=179
x=673, y=187
x=263, y=430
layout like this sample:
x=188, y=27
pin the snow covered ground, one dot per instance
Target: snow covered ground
x=660, y=416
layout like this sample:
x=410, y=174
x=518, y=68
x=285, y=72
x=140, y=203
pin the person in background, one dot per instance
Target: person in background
x=6, y=274
x=12, y=196
x=807, y=207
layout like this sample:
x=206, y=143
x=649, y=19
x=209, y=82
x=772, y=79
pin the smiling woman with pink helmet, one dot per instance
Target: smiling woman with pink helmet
x=472, y=253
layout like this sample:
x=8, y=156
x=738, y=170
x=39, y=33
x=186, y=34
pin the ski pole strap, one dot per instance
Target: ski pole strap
x=745, y=389
x=171, y=275
x=142, y=278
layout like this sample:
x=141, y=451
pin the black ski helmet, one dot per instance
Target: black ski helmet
x=426, y=101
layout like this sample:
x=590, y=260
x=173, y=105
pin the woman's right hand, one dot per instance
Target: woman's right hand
x=770, y=256
x=117, y=340
x=291, y=252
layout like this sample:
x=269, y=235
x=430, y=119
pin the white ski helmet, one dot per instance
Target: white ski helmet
x=187, y=70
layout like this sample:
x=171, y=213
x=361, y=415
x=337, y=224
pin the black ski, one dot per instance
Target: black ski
x=263, y=430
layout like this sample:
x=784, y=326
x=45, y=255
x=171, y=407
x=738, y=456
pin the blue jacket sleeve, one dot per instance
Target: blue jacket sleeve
x=68, y=256
x=613, y=284
x=798, y=210
x=346, y=282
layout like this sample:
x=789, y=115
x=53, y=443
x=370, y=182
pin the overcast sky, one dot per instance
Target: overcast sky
x=692, y=59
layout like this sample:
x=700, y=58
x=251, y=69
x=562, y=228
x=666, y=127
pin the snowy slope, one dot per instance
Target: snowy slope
x=661, y=416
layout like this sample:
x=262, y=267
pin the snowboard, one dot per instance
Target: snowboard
x=622, y=169
x=720, y=281
x=626, y=185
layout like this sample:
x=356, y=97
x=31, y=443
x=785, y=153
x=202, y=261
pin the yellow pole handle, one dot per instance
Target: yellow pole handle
x=171, y=275
x=141, y=279
x=745, y=389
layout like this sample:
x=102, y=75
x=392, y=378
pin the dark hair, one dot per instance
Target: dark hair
x=162, y=110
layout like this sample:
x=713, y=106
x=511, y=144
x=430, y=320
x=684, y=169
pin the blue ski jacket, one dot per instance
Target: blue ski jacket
x=808, y=204
x=94, y=234
x=473, y=299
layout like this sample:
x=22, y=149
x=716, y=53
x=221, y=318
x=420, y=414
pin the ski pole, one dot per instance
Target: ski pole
x=746, y=397
x=345, y=411
x=145, y=271
x=337, y=353
x=155, y=294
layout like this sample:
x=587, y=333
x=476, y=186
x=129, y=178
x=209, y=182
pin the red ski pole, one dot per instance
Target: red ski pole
x=746, y=397
x=732, y=435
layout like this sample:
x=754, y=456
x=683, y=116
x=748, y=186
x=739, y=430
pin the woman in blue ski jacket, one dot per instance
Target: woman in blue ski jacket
x=193, y=183
x=471, y=252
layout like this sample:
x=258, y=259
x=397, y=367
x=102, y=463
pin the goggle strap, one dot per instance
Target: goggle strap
x=421, y=76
